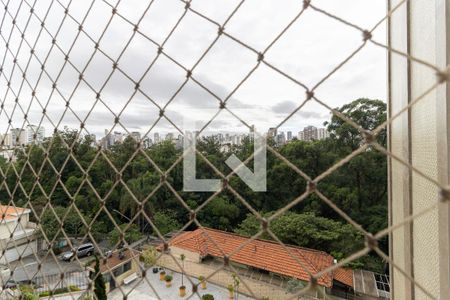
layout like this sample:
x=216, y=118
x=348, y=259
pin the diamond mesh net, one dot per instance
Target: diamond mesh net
x=42, y=70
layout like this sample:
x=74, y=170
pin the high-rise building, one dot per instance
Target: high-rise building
x=5, y=141
x=310, y=133
x=18, y=137
x=156, y=138
x=108, y=140
x=281, y=138
x=322, y=133
x=301, y=136
x=34, y=134
x=289, y=135
x=136, y=135
x=169, y=136
x=179, y=142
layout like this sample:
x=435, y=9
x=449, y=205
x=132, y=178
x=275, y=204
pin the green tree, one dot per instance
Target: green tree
x=182, y=257
x=99, y=282
x=311, y=231
x=28, y=293
x=149, y=256
x=131, y=235
x=166, y=221
x=367, y=113
x=220, y=213
x=73, y=222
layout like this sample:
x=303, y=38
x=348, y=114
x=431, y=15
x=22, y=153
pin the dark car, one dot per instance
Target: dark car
x=81, y=251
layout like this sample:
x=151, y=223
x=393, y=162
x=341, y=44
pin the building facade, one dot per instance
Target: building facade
x=35, y=134
x=16, y=234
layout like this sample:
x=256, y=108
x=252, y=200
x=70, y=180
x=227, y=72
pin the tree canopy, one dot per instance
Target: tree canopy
x=358, y=187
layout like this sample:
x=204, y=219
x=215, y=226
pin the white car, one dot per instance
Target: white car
x=81, y=251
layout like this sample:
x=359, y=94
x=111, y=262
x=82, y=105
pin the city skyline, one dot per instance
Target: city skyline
x=33, y=134
x=220, y=71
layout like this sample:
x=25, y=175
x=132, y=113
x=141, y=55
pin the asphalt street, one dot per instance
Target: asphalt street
x=29, y=267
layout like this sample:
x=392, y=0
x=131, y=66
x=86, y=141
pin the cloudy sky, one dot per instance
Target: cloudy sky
x=313, y=46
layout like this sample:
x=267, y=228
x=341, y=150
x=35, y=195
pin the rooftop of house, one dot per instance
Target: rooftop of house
x=9, y=212
x=344, y=275
x=292, y=261
x=110, y=263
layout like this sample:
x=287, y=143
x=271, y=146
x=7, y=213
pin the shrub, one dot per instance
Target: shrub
x=207, y=297
x=73, y=288
x=168, y=278
x=149, y=256
x=201, y=278
x=44, y=294
x=63, y=290
x=60, y=291
x=27, y=293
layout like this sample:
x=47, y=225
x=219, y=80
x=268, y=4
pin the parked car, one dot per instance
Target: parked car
x=81, y=251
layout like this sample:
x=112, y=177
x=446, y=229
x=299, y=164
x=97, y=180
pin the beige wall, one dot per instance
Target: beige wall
x=24, y=222
x=419, y=137
x=11, y=226
x=223, y=278
x=121, y=277
x=6, y=228
x=190, y=256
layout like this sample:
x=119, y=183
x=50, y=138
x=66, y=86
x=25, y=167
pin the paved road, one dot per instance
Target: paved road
x=49, y=265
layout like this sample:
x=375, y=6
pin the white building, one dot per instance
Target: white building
x=34, y=134
x=156, y=138
x=118, y=137
x=5, y=140
x=310, y=133
x=322, y=134
x=8, y=154
x=136, y=135
x=301, y=136
x=15, y=221
x=169, y=136
x=147, y=142
x=18, y=137
x=281, y=138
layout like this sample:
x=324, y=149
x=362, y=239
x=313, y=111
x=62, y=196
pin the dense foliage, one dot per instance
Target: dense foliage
x=101, y=188
x=99, y=282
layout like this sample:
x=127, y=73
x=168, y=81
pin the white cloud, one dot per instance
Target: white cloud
x=308, y=51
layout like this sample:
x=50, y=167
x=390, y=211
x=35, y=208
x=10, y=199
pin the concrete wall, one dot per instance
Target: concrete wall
x=13, y=253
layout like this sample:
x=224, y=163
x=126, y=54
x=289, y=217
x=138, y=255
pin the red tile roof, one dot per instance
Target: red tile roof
x=8, y=212
x=262, y=254
x=344, y=275
x=110, y=263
